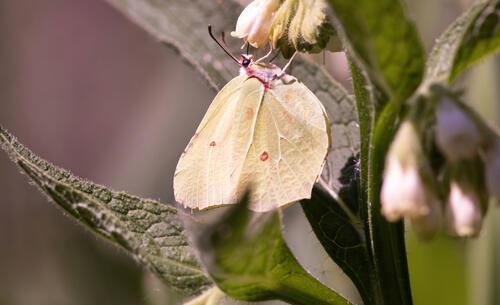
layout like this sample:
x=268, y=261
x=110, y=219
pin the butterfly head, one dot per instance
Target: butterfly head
x=246, y=60
x=265, y=72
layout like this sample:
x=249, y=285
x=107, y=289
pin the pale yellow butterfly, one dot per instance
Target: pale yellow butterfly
x=265, y=131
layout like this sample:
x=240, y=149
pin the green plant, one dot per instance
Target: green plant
x=394, y=86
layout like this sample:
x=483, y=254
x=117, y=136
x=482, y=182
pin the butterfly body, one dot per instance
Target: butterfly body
x=264, y=131
x=265, y=73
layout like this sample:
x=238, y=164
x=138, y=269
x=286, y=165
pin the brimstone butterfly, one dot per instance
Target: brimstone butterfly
x=264, y=131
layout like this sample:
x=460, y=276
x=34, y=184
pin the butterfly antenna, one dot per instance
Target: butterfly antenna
x=223, y=39
x=223, y=47
x=248, y=48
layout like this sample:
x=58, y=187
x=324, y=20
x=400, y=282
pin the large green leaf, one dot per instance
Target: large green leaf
x=384, y=41
x=247, y=257
x=343, y=226
x=366, y=100
x=342, y=234
x=342, y=115
x=214, y=296
x=341, y=229
x=345, y=147
x=184, y=27
x=470, y=38
x=148, y=230
x=160, y=18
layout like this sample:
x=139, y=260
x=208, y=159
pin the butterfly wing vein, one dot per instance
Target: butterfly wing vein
x=273, y=142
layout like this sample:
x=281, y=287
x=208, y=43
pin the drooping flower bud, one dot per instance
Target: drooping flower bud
x=302, y=25
x=305, y=23
x=464, y=215
x=255, y=21
x=492, y=169
x=403, y=192
x=281, y=21
x=467, y=198
x=457, y=136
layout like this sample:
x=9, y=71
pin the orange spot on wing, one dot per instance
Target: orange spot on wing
x=264, y=156
x=249, y=113
x=212, y=143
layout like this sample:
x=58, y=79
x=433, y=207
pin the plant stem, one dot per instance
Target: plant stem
x=366, y=113
x=390, y=278
x=389, y=254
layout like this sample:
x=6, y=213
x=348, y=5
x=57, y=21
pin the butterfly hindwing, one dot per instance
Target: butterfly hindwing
x=288, y=149
x=272, y=139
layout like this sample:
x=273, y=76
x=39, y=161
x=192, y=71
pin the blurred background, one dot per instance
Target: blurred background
x=89, y=91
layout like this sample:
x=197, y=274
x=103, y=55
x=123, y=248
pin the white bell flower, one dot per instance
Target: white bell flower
x=464, y=215
x=255, y=21
x=403, y=192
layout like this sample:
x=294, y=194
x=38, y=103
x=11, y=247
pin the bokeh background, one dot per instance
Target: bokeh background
x=88, y=90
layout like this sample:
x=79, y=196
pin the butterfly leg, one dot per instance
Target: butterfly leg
x=265, y=56
x=283, y=71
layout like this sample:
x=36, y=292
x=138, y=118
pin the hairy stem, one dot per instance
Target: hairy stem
x=389, y=254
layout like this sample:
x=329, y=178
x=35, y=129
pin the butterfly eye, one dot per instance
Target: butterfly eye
x=245, y=62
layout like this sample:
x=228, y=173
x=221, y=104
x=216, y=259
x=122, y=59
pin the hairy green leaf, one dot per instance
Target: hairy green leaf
x=214, y=296
x=183, y=25
x=161, y=19
x=247, y=257
x=470, y=38
x=342, y=235
x=155, y=17
x=339, y=174
x=341, y=110
x=201, y=52
x=343, y=227
x=148, y=230
x=366, y=101
x=384, y=41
